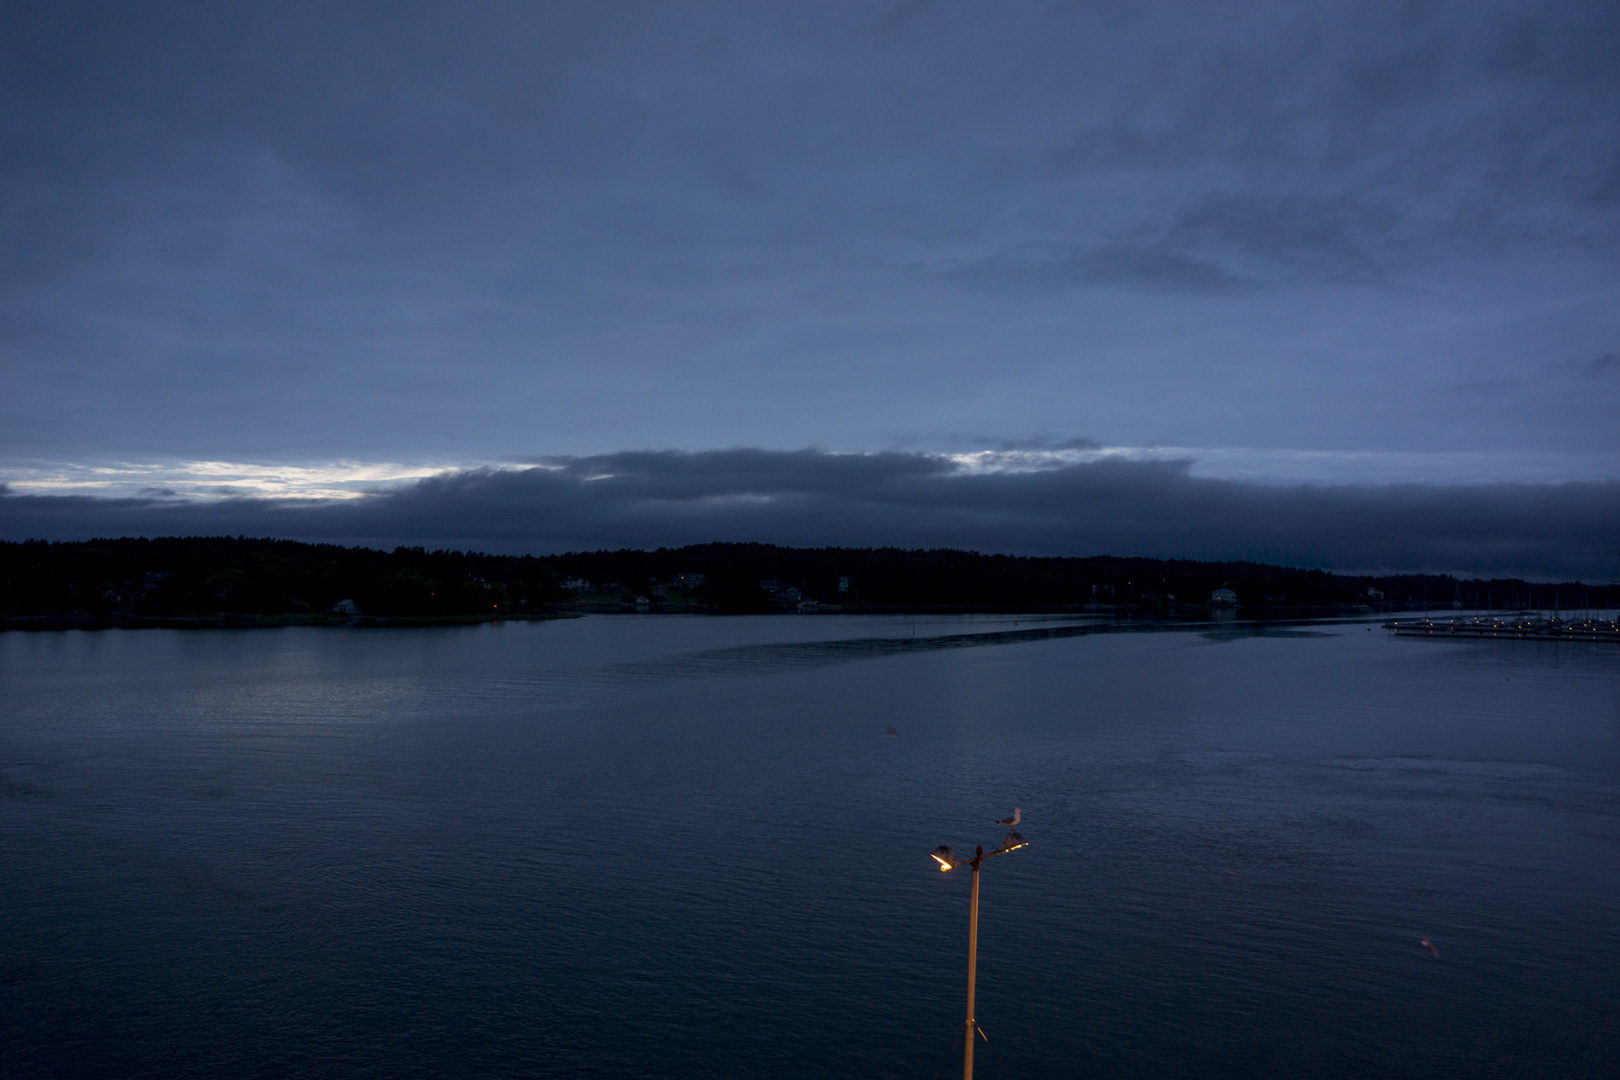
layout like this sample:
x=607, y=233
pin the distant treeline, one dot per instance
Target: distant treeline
x=144, y=580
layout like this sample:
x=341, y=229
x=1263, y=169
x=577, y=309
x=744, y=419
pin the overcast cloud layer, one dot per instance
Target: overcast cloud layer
x=1351, y=242
x=909, y=500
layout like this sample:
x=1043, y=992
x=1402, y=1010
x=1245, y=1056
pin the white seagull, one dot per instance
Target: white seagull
x=1012, y=822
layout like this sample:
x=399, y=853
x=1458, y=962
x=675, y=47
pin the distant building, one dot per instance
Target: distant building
x=1375, y=594
x=843, y=584
x=1223, y=598
x=575, y=585
x=778, y=591
x=345, y=607
x=688, y=582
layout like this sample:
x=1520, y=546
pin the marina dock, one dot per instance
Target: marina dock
x=1518, y=625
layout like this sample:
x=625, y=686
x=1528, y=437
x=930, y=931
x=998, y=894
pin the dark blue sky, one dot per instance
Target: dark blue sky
x=284, y=251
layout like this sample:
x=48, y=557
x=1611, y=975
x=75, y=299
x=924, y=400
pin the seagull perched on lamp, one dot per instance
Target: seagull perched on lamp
x=1012, y=822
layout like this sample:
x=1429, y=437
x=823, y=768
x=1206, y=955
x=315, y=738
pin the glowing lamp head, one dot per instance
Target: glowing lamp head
x=944, y=856
x=1014, y=841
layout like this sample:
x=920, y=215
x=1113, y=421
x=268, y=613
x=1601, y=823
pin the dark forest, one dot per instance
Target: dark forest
x=173, y=581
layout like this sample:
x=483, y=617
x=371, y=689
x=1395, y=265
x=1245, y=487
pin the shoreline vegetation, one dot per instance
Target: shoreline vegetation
x=241, y=582
x=251, y=621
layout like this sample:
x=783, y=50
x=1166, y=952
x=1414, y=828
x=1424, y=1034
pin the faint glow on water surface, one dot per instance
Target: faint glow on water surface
x=663, y=846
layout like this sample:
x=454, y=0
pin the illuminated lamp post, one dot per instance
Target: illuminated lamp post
x=948, y=861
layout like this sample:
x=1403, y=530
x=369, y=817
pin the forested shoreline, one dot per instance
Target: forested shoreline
x=180, y=581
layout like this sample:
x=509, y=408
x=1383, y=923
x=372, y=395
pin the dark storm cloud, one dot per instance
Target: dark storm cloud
x=652, y=499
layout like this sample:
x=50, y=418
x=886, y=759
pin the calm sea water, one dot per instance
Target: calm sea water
x=663, y=846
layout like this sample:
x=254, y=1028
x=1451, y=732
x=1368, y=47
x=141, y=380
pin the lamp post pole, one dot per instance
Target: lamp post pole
x=948, y=861
x=973, y=966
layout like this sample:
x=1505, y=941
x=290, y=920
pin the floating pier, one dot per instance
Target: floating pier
x=1520, y=625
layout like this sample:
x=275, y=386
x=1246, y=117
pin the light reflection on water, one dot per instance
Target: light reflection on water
x=687, y=847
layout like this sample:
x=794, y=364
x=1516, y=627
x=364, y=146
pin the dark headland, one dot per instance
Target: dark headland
x=239, y=581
